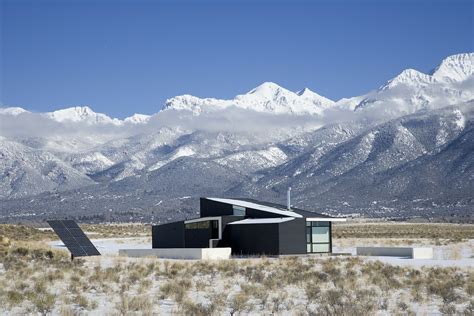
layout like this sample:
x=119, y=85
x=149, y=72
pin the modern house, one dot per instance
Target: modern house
x=249, y=227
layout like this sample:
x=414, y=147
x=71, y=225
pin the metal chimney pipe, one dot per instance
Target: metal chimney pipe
x=288, y=199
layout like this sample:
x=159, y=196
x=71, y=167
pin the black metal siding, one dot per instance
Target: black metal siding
x=226, y=230
x=210, y=208
x=292, y=236
x=254, y=239
x=253, y=213
x=169, y=235
x=197, y=238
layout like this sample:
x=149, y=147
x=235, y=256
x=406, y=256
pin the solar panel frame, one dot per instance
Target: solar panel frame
x=74, y=238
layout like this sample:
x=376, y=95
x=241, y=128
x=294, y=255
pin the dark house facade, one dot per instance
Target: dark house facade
x=249, y=227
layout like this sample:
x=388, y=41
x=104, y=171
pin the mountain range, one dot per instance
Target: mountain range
x=404, y=149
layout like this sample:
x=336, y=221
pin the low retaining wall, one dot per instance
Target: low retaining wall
x=408, y=252
x=422, y=253
x=179, y=253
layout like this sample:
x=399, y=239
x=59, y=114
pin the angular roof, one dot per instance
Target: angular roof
x=258, y=206
x=283, y=207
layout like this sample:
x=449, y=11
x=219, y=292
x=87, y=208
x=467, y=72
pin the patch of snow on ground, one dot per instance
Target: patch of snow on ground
x=458, y=255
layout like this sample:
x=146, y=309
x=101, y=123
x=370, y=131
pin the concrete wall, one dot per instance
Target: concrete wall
x=179, y=253
x=408, y=252
x=422, y=253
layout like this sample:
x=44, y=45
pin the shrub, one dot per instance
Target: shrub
x=197, y=309
x=44, y=302
x=312, y=291
x=448, y=309
x=445, y=289
x=14, y=298
x=175, y=289
x=238, y=303
x=140, y=304
x=469, y=310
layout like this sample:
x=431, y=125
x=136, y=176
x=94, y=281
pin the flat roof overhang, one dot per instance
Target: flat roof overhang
x=262, y=221
x=326, y=219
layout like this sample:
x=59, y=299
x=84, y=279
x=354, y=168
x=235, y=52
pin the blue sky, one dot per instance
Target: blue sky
x=125, y=57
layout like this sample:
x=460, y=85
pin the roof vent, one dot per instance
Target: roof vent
x=288, y=199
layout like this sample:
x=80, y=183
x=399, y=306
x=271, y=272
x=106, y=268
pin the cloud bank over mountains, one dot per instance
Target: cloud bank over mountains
x=257, y=143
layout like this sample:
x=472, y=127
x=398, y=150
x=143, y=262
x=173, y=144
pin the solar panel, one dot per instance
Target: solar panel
x=74, y=238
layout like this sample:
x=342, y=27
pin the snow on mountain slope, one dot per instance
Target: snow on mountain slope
x=12, y=111
x=84, y=114
x=267, y=97
x=456, y=68
x=81, y=114
x=254, y=160
x=312, y=97
x=137, y=119
x=254, y=135
x=410, y=77
x=25, y=171
x=412, y=90
x=349, y=167
x=89, y=162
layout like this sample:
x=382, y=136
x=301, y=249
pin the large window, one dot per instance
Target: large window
x=238, y=210
x=318, y=237
x=213, y=226
x=198, y=225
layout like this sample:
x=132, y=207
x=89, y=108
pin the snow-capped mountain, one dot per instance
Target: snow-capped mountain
x=411, y=90
x=14, y=111
x=81, y=114
x=455, y=68
x=137, y=119
x=404, y=147
x=267, y=97
x=25, y=171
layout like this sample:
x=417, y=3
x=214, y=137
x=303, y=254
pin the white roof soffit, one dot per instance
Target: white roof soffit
x=326, y=219
x=256, y=206
x=262, y=221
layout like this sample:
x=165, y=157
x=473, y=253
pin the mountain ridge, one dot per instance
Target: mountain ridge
x=362, y=154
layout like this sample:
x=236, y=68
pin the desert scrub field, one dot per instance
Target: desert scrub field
x=118, y=230
x=386, y=230
x=24, y=233
x=36, y=279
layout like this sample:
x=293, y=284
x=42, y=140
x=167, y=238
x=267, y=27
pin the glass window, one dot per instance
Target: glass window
x=320, y=247
x=198, y=225
x=320, y=234
x=321, y=224
x=238, y=210
x=318, y=238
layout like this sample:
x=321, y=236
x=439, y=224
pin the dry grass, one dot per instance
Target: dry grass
x=118, y=230
x=9, y=232
x=31, y=274
x=450, y=232
x=329, y=286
